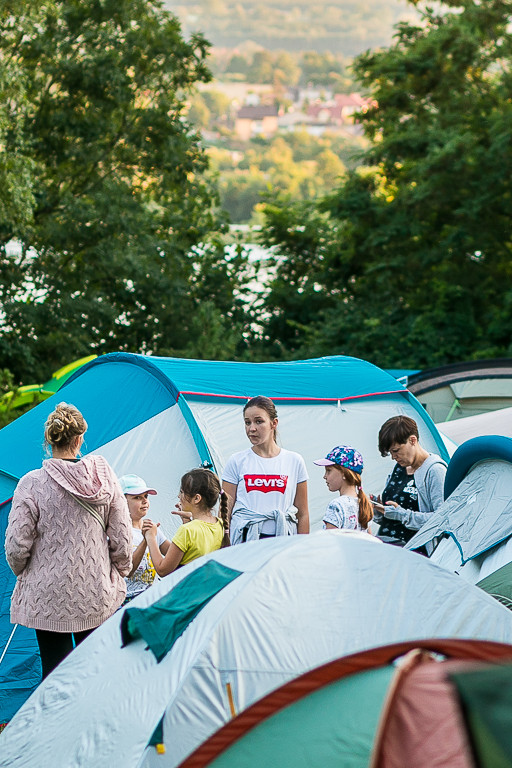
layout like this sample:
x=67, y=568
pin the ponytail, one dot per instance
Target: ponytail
x=225, y=517
x=365, y=509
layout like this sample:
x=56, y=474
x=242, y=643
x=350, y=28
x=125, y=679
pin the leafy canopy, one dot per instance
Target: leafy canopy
x=113, y=216
x=411, y=264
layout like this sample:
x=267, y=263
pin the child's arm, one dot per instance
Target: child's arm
x=138, y=554
x=163, y=564
x=164, y=546
x=186, y=517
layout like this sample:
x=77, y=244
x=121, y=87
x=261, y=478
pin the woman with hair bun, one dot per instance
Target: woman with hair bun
x=266, y=484
x=68, y=541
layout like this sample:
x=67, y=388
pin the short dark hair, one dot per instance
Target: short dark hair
x=397, y=429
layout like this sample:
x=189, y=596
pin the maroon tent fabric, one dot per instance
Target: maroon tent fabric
x=423, y=726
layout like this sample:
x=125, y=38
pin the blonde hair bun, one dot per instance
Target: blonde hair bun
x=63, y=425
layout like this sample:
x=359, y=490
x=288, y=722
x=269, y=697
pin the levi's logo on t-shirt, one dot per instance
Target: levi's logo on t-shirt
x=266, y=483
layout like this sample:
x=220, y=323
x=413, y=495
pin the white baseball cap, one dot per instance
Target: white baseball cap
x=133, y=485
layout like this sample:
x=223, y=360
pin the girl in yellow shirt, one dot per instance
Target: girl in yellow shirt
x=199, y=493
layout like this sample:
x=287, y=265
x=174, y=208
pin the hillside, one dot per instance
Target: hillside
x=344, y=27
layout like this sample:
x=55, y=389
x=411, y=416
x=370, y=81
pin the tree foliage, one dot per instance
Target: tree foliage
x=115, y=251
x=412, y=263
x=301, y=166
x=16, y=167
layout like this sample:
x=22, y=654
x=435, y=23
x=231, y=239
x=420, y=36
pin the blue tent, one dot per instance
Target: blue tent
x=473, y=528
x=158, y=417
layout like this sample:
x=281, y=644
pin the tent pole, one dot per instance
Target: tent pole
x=8, y=643
x=455, y=405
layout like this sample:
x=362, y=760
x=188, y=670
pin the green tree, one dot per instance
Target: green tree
x=218, y=103
x=237, y=64
x=118, y=253
x=286, y=71
x=261, y=69
x=17, y=169
x=198, y=113
x=413, y=262
x=240, y=192
x=329, y=168
x=324, y=69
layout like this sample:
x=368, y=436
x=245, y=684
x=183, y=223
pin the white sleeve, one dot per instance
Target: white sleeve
x=334, y=515
x=302, y=472
x=231, y=472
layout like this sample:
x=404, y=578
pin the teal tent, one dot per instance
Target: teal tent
x=158, y=417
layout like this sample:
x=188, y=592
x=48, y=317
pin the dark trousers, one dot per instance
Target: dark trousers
x=262, y=535
x=55, y=646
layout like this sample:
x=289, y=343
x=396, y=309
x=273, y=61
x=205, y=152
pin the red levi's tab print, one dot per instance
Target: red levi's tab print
x=266, y=483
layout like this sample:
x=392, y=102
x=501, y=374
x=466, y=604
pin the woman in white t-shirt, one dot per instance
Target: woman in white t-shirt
x=266, y=485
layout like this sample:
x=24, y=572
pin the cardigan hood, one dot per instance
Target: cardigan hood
x=90, y=478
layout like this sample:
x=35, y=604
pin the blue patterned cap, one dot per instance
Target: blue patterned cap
x=343, y=456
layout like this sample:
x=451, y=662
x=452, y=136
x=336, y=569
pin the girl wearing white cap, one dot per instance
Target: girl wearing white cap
x=143, y=572
x=352, y=509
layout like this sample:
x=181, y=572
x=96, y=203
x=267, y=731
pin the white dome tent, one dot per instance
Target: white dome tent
x=285, y=606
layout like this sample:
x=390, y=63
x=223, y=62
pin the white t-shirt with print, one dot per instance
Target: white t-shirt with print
x=343, y=512
x=265, y=484
x=145, y=573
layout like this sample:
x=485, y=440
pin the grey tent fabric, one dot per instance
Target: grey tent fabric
x=490, y=423
x=477, y=515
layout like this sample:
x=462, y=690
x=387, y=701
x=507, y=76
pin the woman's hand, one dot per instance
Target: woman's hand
x=393, y=511
x=186, y=517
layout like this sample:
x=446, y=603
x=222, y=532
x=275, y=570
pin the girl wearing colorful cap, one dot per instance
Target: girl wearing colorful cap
x=353, y=509
x=200, y=492
x=142, y=573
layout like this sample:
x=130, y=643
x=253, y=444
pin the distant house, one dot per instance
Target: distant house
x=300, y=95
x=259, y=120
x=293, y=121
x=350, y=103
x=338, y=110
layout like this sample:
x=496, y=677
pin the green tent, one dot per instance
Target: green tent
x=486, y=696
x=382, y=708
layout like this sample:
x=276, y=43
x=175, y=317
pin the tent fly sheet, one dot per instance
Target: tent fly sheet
x=209, y=640
x=159, y=417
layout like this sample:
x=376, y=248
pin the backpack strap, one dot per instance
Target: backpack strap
x=92, y=511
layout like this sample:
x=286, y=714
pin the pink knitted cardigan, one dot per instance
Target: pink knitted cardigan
x=70, y=571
